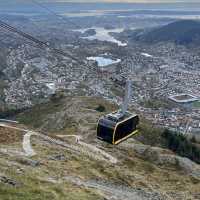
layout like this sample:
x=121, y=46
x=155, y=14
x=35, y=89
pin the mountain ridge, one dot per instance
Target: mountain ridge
x=184, y=32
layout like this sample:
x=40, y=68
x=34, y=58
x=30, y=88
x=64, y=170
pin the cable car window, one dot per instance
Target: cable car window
x=105, y=133
x=125, y=129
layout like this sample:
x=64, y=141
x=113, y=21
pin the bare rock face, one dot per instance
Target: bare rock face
x=164, y=157
x=9, y=181
x=117, y=192
x=28, y=161
x=189, y=167
x=59, y=157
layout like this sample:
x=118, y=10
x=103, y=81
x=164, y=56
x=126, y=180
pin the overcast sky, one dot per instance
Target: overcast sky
x=121, y=1
x=124, y=1
x=134, y=1
x=10, y=2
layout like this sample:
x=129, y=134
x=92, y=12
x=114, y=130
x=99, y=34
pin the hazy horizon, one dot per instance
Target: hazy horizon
x=125, y=1
x=102, y=1
x=64, y=6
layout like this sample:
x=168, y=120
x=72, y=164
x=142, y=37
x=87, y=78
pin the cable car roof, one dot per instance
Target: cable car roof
x=119, y=116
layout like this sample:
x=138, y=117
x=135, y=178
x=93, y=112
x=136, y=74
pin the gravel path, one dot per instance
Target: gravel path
x=27, y=144
x=88, y=150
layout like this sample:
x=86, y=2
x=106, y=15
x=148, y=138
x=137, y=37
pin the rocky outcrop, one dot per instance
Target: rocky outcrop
x=8, y=181
x=164, y=157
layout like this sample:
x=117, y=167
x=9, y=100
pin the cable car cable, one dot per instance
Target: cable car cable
x=42, y=44
x=121, y=125
x=64, y=19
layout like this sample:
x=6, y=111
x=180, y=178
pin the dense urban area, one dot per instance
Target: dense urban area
x=65, y=65
x=110, y=54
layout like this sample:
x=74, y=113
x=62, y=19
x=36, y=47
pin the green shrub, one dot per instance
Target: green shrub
x=181, y=145
x=100, y=108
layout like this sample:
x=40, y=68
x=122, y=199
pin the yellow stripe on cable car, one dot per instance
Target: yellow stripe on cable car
x=133, y=133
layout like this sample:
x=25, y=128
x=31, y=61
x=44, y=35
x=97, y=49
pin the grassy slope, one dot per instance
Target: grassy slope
x=132, y=169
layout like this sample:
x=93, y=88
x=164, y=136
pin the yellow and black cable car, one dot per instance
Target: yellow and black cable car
x=116, y=127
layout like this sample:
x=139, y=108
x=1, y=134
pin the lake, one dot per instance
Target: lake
x=103, y=34
x=102, y=62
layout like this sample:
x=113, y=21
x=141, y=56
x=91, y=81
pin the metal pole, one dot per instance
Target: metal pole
x=127, y=96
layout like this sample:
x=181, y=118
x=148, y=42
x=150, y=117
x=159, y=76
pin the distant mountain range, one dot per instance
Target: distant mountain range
x=185, y=32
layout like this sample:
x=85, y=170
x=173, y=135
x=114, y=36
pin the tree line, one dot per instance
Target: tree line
x=181, y=145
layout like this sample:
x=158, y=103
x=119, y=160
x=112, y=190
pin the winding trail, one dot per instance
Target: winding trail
x=98, y=151
x=27, y=144
x=109, y=190
x=81, y=147
x=91, y=147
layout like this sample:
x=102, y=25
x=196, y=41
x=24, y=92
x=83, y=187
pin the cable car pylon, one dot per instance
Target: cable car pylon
x=127, y=98
x=119, y=125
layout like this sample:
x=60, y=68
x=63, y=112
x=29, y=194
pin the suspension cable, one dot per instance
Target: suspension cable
x=64, y=19
x=40, y=43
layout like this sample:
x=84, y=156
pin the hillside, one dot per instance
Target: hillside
x=185, y=32
x=53, y=153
